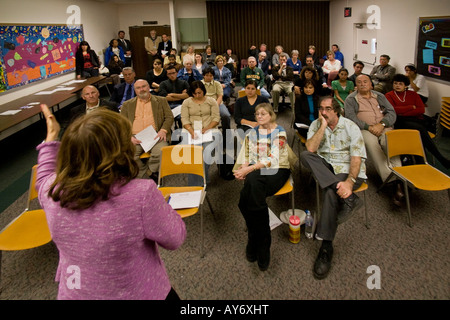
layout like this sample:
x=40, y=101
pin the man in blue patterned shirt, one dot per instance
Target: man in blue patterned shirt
x=336, y=156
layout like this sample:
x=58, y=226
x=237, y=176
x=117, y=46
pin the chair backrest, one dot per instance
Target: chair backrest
x=404, y=141
x=181, y=159
x=242, y=93
x=32, y=192
x=244, y=63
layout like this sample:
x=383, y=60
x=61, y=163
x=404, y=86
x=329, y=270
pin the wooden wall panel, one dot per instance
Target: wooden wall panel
x=291, y=24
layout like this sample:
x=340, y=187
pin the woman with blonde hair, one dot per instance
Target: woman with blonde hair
x=263, y=165
x=106, y=224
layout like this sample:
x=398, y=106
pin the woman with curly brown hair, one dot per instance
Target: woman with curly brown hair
x=106, y=224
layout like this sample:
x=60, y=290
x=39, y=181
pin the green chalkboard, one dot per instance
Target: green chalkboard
x=193, y=29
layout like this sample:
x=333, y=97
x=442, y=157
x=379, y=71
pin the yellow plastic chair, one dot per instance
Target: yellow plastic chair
x=184, y=159
x=288, y=188
x=419, y=176
x=29, y=230
x=145, y=155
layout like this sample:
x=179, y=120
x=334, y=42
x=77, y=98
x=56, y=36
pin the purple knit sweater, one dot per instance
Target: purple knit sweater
x=110, y=250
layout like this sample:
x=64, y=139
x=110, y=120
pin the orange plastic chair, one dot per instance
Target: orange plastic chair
x=29, y=230
x=419, y=176
x=184, y=159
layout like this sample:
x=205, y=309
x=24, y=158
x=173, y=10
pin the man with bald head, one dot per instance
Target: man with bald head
x=143, y=111
x=374, y=115
x=91, y=96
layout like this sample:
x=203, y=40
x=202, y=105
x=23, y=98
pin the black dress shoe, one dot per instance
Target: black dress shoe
x=250, y=253
x=323, y=262
x=264, y=259
x=349, y=206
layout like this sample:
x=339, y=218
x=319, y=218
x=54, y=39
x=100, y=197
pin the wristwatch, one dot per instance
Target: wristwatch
x=353, y=179
x=383, y=124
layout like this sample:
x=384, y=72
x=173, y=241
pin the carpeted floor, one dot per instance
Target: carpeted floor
x=413, y=261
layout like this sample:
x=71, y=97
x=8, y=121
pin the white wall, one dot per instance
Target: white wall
x=99, y=20
x=397, y=36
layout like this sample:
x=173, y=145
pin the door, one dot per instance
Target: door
x=137, y=38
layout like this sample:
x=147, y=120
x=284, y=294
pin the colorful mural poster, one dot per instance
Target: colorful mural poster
x=30, y=53
x=433, y=48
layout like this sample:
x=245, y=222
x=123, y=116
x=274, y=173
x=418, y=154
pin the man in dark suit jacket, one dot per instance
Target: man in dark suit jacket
x=126, y=46
x=91, y=96
x=164, y=47
x=139, y=110
x=124, y=91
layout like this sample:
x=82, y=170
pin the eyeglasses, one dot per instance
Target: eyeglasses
x=327, y=109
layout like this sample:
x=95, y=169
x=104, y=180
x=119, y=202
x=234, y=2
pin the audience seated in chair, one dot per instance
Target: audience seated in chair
x=86, y=61
x=244, y=108
x=417, y=82
x=312, y=52
x=188, y=73
x=172, y=61
x=342, y=87
x=295, y=63
x=115, y=68
x=174, y=90
x=276, y=57
x=253, y=72
x=199, y=63
x=177, y=57
x=336, y=158
x=264, y=171
x=331, y=64
x=410, y=110
x=223, y=75
x=208, y=56
x=156, y=75
x=124, y=91
x=374, y=115
x=308, y=73
x=231, y=62
x=306, y=107
x=254, y=52
x=91, y=96
x=283, y=82
x=199, y=114
x=114, y=49
x=137, y=110
x=382, y=75
x=358, y=67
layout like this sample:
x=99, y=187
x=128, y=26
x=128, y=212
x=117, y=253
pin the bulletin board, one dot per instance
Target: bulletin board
x=433, y=48
x=30, y=53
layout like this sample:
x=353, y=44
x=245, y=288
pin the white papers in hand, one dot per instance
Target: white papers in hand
x=205, y=137
x=147, y=137
x=302, y=126
x=184, y=200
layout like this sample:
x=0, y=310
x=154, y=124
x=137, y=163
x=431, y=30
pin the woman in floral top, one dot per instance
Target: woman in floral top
x=264, y=169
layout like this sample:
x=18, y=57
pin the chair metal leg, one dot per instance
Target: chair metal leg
x=317, y=213
x=365, y=210
x=385, y=181
x=1, y=286
x=202, y=254
x=408, y=207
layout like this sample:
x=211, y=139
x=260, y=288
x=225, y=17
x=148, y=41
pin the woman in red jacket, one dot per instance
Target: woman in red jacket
x=410, y=109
